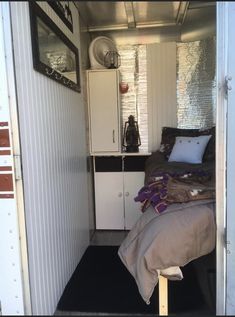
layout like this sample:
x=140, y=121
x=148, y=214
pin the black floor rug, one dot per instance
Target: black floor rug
x=102, y=284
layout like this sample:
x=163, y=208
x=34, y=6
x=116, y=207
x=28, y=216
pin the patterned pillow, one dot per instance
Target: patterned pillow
x=168, y=140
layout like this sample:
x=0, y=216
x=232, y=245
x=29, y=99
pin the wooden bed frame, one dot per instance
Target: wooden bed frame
x=163, y=296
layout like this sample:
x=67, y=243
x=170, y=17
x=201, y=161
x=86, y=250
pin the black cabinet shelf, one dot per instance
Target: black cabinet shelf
x=120, y=163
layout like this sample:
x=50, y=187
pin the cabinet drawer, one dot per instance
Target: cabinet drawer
x=108, y=164
x=135, y=163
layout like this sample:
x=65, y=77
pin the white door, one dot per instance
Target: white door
x=225, y=167
x=133, y=181
x=230, y=217
x=109, y=200
x=14, y=283
x=103, y=111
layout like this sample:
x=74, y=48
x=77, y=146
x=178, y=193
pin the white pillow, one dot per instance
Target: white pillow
x=189, y=149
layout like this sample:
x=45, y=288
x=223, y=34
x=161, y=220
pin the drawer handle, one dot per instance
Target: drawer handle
x=113, y=136
x=127, y=194
x=119, y=194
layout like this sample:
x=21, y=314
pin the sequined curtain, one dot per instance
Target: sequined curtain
x=196, y=83
x=133, y=71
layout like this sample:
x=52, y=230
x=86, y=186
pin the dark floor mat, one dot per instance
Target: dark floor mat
x=101, y=283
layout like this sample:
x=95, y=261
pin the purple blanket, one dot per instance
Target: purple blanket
x=166, y=188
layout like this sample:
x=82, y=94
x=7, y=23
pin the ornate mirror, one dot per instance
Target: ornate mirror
x=54, y=55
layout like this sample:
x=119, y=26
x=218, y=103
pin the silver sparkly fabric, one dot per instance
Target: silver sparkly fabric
x=133, y=71
x=196, y=96
x=196, y=83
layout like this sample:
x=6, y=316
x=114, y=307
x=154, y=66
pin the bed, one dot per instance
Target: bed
x=176, y=230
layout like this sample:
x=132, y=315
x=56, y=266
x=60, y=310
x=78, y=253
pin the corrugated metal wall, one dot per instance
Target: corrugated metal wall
x=161, y=79
x=85, y=40
x=52, y=130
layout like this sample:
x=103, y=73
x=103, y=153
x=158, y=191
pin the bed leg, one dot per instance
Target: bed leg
x=163, y=296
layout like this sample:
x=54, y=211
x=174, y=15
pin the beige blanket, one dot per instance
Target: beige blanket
x=161, y=243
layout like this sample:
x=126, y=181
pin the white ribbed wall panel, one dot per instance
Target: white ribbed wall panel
x=53, y=141
x=161, y=86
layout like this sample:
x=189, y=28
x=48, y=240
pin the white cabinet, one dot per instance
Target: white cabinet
x=114, y=199
x=104, y=112
x=132, y=182
x=109, y=200
x=116, y=186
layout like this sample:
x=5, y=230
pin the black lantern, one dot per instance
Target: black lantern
x=131, y=137
x=112, y=59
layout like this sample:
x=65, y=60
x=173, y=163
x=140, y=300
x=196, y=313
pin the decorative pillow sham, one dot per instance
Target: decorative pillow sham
x=189, y=149
x=168, y=140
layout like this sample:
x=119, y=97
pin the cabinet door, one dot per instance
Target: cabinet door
x=133, y=181
x=103, y=110
x=109, y=200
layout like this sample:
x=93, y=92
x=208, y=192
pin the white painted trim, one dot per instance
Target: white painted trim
x=230, y=215
x=10, y=68
x=11, y=286
x=221, y=113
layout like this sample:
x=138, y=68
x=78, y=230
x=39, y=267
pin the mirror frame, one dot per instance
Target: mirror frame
x=56, y=7
x=36, y=11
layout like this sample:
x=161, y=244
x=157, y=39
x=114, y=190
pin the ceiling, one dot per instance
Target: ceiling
x=127, y=15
